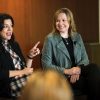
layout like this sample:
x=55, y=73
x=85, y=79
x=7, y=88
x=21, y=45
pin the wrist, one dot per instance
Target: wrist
x=22, y=72
x=29, y=57
x=65, y=71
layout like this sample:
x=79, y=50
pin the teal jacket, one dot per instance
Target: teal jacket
x=55, y=54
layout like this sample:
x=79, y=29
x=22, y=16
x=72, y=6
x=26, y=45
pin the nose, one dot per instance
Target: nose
x=9, y=28
x=60, y=22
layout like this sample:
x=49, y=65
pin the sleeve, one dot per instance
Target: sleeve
x=4, y=74
x=84, y=56
x=47, y=56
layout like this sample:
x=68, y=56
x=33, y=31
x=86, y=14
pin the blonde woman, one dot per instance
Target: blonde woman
x=65, y=52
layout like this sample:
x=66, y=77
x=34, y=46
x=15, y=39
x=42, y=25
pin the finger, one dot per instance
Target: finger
x=73, y=78
x=35, y=46
x=78, y=77
x=38, y=51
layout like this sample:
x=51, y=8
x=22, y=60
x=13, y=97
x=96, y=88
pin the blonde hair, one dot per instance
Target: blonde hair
x=47, y=85
x=69, y=14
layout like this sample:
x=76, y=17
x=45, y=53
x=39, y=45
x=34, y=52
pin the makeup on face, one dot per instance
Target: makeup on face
x=7, y=30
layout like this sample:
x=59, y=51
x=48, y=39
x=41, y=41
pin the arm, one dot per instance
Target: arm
x=32, y=53
x=84, y=56
x=80, y=56
x=6, y=73
x=25, y=71
x=75, y=72
x=48, y=60
x=29, y=62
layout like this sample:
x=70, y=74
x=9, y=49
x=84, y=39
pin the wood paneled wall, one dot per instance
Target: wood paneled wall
x=33, y=20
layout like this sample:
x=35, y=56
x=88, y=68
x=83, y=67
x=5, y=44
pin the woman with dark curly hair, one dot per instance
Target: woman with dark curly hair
x=13, y=67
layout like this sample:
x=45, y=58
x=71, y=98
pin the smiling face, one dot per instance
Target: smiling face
x=62, y=24
x=7, y=30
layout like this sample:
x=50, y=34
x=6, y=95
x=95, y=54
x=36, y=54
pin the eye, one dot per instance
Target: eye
x=57, y=20
x=5, y=26
x=8, y=26
x=64, y=20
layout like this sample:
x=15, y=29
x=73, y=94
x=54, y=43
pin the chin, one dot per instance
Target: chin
x=8, y=38
x=62, y=31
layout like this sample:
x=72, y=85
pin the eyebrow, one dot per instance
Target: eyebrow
x=8, y=24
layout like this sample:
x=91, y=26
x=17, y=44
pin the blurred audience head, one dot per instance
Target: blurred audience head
x=47, y=85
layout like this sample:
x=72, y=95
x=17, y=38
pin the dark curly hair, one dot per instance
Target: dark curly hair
x=4, y=16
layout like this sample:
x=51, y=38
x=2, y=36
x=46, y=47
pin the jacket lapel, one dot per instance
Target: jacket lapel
x=61, y=46
x=76, y=46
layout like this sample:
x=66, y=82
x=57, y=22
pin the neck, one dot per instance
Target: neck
x=64, y=35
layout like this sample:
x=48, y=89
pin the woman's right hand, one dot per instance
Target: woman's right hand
x=72, y=71
x=20, y=73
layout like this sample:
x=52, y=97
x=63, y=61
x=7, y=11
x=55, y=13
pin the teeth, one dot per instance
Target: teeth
x=9, y=33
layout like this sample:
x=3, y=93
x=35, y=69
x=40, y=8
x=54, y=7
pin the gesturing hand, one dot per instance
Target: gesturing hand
x=34, y=51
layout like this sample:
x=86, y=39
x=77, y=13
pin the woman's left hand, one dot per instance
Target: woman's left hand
x=74, y=78
x=34, y=51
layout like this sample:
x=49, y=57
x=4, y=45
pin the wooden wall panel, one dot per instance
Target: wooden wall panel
x=33, y=20
x=16, y=9
x=88, y=19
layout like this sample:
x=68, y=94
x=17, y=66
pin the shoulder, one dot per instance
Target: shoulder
x=53, y=37
x=77, y=37
x=50, y=36
x=15, y=45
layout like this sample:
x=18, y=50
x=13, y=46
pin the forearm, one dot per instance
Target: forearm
x=15, y=73
x=19, y=73
x=29, y=62
x=72, y=71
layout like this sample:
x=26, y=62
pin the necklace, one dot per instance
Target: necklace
x=67, y=41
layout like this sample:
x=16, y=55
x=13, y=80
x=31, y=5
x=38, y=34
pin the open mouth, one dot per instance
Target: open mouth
x=9, y=33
